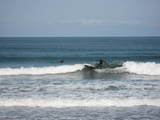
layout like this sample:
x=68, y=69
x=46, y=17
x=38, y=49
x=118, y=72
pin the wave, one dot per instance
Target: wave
x=41, y=70
x=145, y=68
x=141, y=68
x=78, y=103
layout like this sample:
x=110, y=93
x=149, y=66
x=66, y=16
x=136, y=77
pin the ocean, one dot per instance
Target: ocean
x=42, y=78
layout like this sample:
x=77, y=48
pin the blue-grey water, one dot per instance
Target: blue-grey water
x=36, y=84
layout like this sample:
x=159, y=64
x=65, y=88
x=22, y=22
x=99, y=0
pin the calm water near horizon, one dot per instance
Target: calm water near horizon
x=34, y=84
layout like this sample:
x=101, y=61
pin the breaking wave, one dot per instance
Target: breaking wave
x=78, y=103
x=145, y=68
x=41, y=70
x=141, y=68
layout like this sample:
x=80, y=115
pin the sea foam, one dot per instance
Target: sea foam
x=78, y=103
x=146, y=68
x=41, y=70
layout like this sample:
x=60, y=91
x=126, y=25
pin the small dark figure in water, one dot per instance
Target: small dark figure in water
x=100, y=64
x=100, y=61
x=61, y=61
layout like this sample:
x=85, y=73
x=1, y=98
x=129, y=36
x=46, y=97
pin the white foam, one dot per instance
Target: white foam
x=111, y=70
x=41, y=70
x=146, y=68
x=78, y=103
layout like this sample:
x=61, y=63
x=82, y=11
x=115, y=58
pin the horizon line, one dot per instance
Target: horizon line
x=84, y=36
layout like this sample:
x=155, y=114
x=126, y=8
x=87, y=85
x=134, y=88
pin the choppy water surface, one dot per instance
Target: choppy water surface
x=35, y=85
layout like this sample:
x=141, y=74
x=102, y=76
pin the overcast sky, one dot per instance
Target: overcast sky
x=79, y=17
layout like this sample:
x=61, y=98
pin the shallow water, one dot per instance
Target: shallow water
x=35, y=85
x=81, y=113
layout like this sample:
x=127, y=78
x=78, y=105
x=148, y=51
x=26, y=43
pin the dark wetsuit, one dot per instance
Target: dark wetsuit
x=100, y=64
x=61, y=61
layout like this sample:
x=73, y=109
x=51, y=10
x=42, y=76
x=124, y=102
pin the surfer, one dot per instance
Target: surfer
x=61, y=61
x=101, y=64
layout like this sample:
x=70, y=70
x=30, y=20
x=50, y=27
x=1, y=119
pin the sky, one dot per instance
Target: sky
x=79, y=18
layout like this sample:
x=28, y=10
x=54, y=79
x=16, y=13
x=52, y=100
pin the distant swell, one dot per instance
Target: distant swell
x=78, y=103
x=41, y=70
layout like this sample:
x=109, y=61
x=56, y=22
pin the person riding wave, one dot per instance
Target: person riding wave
x=101, y=64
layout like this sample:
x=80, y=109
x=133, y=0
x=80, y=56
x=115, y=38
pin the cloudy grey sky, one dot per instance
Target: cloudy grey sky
x=79, y=17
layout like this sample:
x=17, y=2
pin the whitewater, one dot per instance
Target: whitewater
x=62, y=103
x=145, y=68
x=44, y=78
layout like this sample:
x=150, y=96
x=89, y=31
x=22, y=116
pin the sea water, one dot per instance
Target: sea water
x=43, y=78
